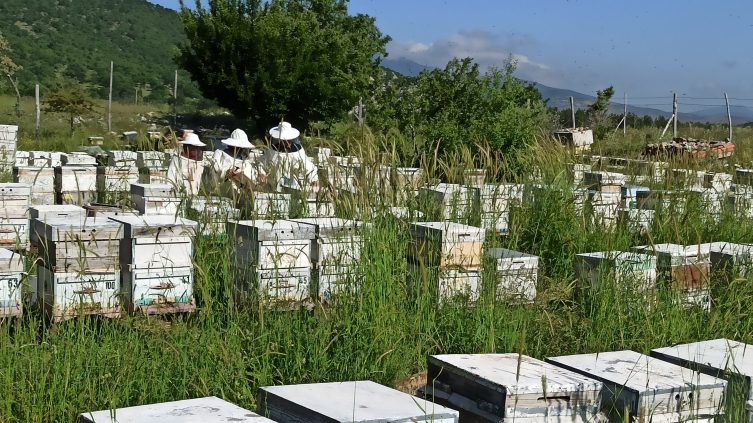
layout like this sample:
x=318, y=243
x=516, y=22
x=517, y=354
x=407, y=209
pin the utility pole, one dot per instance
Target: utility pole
x=175, y=101
x=109, y=107
x=674, y=113
x=137, y=96
x=36, y=94
x=729, y=116
x=624, y=125
x=572, y=110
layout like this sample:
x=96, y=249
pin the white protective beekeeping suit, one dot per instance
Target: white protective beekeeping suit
x=184, y=171
x=233, y=156
x=286, y=163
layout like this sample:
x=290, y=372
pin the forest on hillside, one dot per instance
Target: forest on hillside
x=57, y=39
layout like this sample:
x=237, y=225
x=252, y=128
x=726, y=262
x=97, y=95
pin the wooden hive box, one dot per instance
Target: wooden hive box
x=12, y=271
x=153, y=175
x=15, y=200
x=270, y=205
x=151, y=159
x=79, y=244
x=116, y=178
x=511, y=387
x=21, y=158
x=117, y=158
x=212, y=215
x=43, y=212
x=78, y=159
x=627, y=270
x=335, y=253
x=628, y=196
x=68, y=294
x=603, y=208
x=722, y=358
x=405, y=180
x=75, y=184
x=449, y=202
x=474, y=177
x=719, y=182
x=496, y=200
x=156, y=261
x=348, y=402
x=446, y=244
x=40, y=159
x=198, y=410
x=444, y=284
x=575, y=137
x=42, y=181
x=730, y=257
x=273, y=259
x=155, y=199
x=516, y=275
x=107, y=210
x=604, y=181
x=668, y=201
x=743, y=176
x=636, y=219
x=650, y=389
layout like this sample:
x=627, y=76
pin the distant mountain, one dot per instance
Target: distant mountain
x=560, y=98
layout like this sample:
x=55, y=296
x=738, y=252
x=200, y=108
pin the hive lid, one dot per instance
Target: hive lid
x=63, y=228
x=637, y=372
x=270, y=230
x=151, y=225
x=362, y=401
x=199, y=410
x=61, y=210
x=504, y=254
x=447, y=230
x=517, y=374
x=8, y=189
x=153, y=190
x=617, y=256
x=717, y=354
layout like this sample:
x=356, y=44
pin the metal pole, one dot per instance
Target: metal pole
x=572, y=110
x=36, y=94
x=109, y=107
x=729, y=116
x=175, y=101
x=624, y=125
x=674, y=112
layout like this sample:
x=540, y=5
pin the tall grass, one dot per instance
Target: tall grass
x=381, y=332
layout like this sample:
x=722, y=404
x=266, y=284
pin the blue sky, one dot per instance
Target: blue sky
x=696, y=48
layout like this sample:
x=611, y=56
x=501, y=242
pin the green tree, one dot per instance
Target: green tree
x=8, y=68
x=302, y=60
x=598, y=116
x=72, y=99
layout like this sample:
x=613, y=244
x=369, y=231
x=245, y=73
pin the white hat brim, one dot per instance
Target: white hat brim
x=287, y=134
x=193, y=143
x=233, y=142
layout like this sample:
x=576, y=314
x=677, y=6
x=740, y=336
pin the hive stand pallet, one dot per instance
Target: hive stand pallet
x=651, y=389
x=719, y=358
x=511, y=387
x=198, y=410
x=348, y=402
x=156, y=261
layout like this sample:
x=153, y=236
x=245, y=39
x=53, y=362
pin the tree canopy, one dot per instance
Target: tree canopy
x=301, y=60
x=72, y=99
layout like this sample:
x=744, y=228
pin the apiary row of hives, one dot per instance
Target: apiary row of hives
x=682, y=383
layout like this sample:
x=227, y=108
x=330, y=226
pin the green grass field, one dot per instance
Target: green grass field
x=381, y=333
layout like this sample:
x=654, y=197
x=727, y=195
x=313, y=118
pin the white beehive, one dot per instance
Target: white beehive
x=78, y=159
x=719, y=182
x=321, y=155
x=667, y=201
x=271, y=205
x=199, y=410
x=578, y=172
x=629, y=196
x=75, y=184
x=604, y=181
x=107, y=210
x=511, y=387
x=12, y=271
x=335, y=254
x=111, y=179
x=119, y=158
x=728, y=257
x=450, y=202
x=516, y=275
x=155, y=199
x=156, y=261
x=42, y=181
x=630, y=271
x=79, y=271
x=636, y=219
x=687, y=179
x=153, y=175
x=446, y=244
x=14, y=216
x=273, y=259
x=8, y=139
x=650, y=389
x=575, y=137
x=743, y=176
x=348, y=402
x=496, y=202
x=603, y=207
x=404, y=181
x=653, y=170
x=474, y=177
x=720, y=358
x=444, y=284
x=213, y=214
x=151, y=159
x=40, y=159
x=44, y=212
x=685, y=269
x=342, y=172
x=21, y=158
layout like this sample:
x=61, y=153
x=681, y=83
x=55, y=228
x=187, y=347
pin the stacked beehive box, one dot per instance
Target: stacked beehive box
x=343, y=172
x=352, y=402
x=630, y=272
x=406, y=183
x=450, y=202
x=744, y=176
x=684, y=269
x=38, y=215
x=12, y=271
x=119, y=158
x=650, y=390
x=496, y=201
x=721, y=358
x=321, y=155
x=156, y=261
x=578, y=172
x=213, y=214
x=605, y=182
x=516, y=275
x=273, y=260
x=474, y=177
x=75, y=185
x=310, y=202
x=8, y=138
x=687, y=179
x=21, y=159
x=335, y=253
x=14, y=215
x=603, y=208
x=270, y=205
x=668, y=202
x=740, y=200
x=78, y=158
x=111, y=178
x=637, y=220
x=728, y=257
x=44, y=159
x=155, y=199
x=445, y=257
x=205, y=410
x=42, y=181
x=79, y=273
x=512, y=388
x=107, y=210
x=152, y=167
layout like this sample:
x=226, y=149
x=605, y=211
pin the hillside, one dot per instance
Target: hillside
x=78, y=39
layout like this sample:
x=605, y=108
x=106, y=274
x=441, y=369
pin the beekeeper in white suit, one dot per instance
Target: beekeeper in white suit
x=285, y=163
x=185, y=170
x=232, y=167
